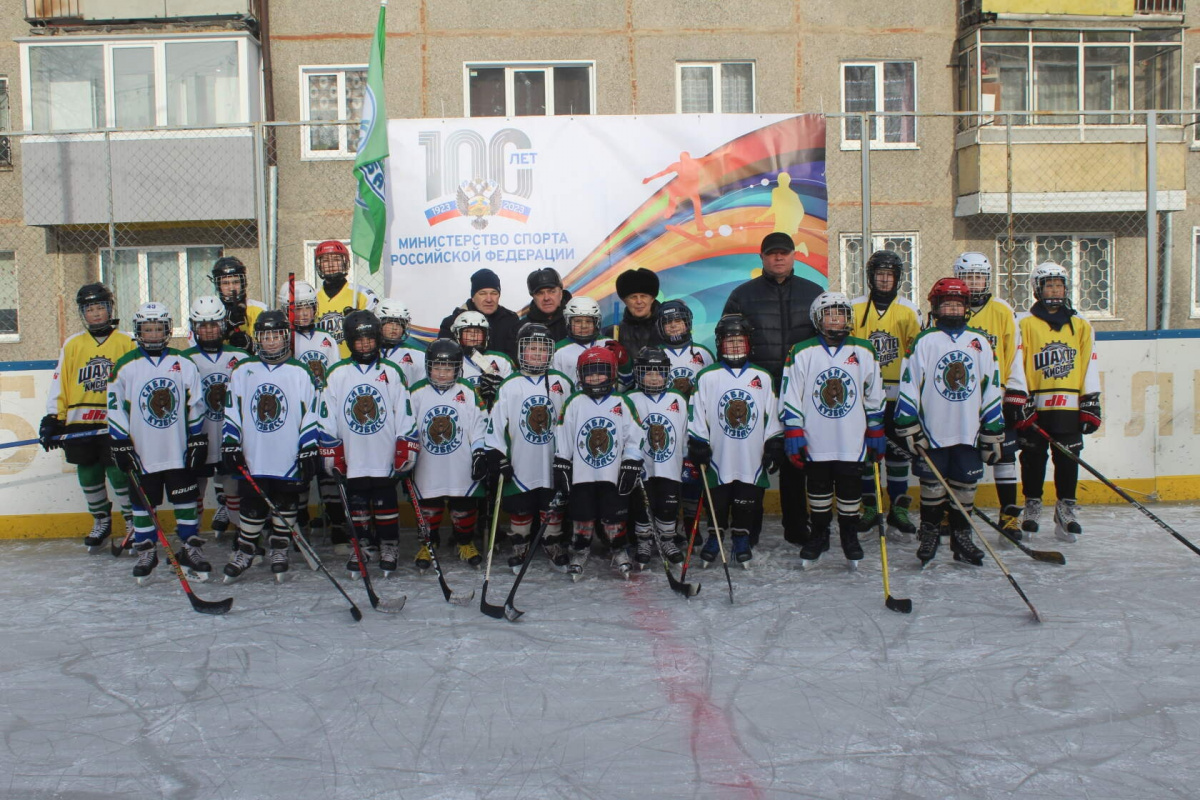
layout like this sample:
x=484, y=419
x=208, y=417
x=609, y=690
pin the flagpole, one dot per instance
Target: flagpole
x=369, y=226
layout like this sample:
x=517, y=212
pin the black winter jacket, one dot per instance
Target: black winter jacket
x=635, y=334
x=502, y=328
x=779, y=314
x=555, y=321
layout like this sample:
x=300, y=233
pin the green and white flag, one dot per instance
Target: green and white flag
x=370, y=206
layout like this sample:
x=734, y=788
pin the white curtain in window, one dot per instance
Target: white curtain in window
x=1056, y=81
x=696, y=90
x=67, y=87
x=737, y=88
x=119, y=270
x=859, y=90
x=202, y=83
x=899, y=94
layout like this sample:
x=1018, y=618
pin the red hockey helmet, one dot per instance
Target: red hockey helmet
x=597, y=371
x=328, y=267
x=949, y=289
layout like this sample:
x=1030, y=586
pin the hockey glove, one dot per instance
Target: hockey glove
x=51, y=426
x=308, y=462
x=619, y=352
x=912, y=438
x=627, y=478
x=690, y=472
x=1019, y=411
x=232, y=459
x=239, y=339
x=489, y=384
x=876, y=443
x=406, y=456
x=497, y=465
x=1089, y=414
x=334, y=459
x=123, y=456
x=991, y=447
x=197, y=451
x=795, y=444
x=699, y=453
x=562, y=476
x=478, y=464
x=773, y=455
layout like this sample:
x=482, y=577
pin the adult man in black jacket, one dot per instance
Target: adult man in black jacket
x=777, y=304
x=638, y=326
x=548, y=298
x=485, y=298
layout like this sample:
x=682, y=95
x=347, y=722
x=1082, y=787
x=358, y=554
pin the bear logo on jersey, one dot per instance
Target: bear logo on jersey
x=596, y=442
x=315, y=361
x=93, y=376
x=954, y=376
x=270, y=408
x=365, y=409
x=737, y=412
x=1055, y=360
x=213, y=387
x=443, y=433
x=887, y=347
x=660, y=437
x=834, y=393
x=535, y=420
x=160, y=403
x=681, y=380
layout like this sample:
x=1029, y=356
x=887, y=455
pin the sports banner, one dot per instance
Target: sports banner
x=689, y=197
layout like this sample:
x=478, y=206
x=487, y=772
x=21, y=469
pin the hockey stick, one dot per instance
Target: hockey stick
x=275, y=512
x=1123, y=494
x=938, y=474
x=692, y=539
x=386, y=606
x=712, y=509
x=511, y=612
x=495, y=612
x=303, y=544
x=685, y=589
x=427, y=540
x=62, y=437
x=203, y=606
x=115, y=547
x=1048, y=556
x=902, y=605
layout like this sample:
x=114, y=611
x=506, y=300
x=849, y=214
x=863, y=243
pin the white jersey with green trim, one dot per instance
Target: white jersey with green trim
x=834, y=394
x=318, y=351
x=366, y=409
x=686, y=363
x=664, y=432
x=497, y=363
x=522, y=426
x=155, y=402
x=596, y=435
x=215, y=369
x=451, y=423
x=735, y=411
x=271, y=413
x=410, y=360
x=566, y=360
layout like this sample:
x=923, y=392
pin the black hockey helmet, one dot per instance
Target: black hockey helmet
x=230, y=267
x=272, y=337
x=674, y=311
x=443, y=353
x=535, y=348
x=363, y=325
x=730, y=327
x=96, y=294
x=652, y=370
x=889, y=260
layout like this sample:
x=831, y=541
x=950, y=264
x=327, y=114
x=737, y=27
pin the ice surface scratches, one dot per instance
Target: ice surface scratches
x=806, y=687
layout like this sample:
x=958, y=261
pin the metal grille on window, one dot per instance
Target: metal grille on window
x=9, y=297
x=854, y=281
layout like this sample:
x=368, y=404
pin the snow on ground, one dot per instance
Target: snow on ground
x=806, y=686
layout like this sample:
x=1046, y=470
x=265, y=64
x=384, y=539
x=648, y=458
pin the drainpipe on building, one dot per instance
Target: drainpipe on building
x=1164, y=315
x=1151, y=221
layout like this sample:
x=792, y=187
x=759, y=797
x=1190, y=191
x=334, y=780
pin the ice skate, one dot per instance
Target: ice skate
x=851, y=548
x=423, y=558
x=741, y=549
x=239, y=561
x=518, y=557
x=817, y=543
x=868, y=515
x=101, y=530
x=352, y=568
x=220, y=521
x=710, y=551
x=560, y=560
x=930, y=537
x=900, y=528
x=470, y=553
x=340, y=540
x=578, y=559
x=389, y=554
x=1066, y=526
x=147, y=560
x=621, y=562
x=191, y=557
x=278, y=556
x=964, y=548
x=1033, y=513
x=1010, y=521
x=671, y=552
x=645, y=552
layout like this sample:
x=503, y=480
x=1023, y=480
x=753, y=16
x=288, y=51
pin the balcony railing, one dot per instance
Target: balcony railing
x=104, y=11
x=976, y=12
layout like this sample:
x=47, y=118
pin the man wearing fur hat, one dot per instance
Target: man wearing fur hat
x=637, y=289
x=485, y=298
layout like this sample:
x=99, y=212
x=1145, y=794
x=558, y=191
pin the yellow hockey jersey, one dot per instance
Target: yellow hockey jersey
x=79, y=389
x=331, y=311
x=1059, y=367
x=890, y=333
x=997, y=320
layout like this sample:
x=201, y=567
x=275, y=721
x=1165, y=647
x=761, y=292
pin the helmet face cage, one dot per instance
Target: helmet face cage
x=332, y=260
x=597, y=378
x=443, y=363
x=94, y=300
x=1047, y=272
x=884, y=260
x=671, y=316
x=360, y=325
x=949, y=289
x=208, y=321
x=975, y=270
x=652, y=370
x=152, y=327
x=304, y=299
x=581, y=309
x=469, y=321
x=393, y=322
x=733, y=340
x=535, y=350
x=829, y=309
x=229, y=279
x=272, y=337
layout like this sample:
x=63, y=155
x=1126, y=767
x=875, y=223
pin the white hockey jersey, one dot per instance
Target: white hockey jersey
x=735, y=411
x=319, y=352
x=596, y=436
x=686, y=363
x=834, y=395
x=156, y=402
x=664, y=432
x=522, y=425
x=366, y=409
x=496, y=362
x=952, y=385
x=410, y=360
x=272, y=413
x=450, y=424
x=215, y=369
x=566, y=360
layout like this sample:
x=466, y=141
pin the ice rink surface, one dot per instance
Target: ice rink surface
x=806, y=686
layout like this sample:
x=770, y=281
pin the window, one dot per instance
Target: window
x=138, y=83
x=173, y=276
x=1196, y=272
x=5, y=122
x=529, y=90
x=1056, y=72
x=335, y=94
x=9, y=299
x=886, y=86
x=360, y=272
x=714, y=88
x=1089, y=258
x=853, y=279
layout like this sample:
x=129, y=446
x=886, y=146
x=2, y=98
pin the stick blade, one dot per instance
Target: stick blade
x=215, y=607
x=512, y=613
x=460, y=599
x=391, y=606
x=1048, y=556
x=900, y=605
x=356, y=613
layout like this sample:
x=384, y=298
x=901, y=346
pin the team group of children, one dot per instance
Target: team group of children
x=578, y=439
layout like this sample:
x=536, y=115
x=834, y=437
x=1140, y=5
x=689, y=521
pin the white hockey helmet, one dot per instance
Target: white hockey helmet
x=1045, y=271
x=390, y=311
x=582, y=308
x=306, y=295
x=152, y=327
x=207, y=308
x=973, y=263
x=470, y=319
x=831, y=300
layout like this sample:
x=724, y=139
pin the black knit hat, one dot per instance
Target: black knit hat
x=484, y=279
x=637, y=281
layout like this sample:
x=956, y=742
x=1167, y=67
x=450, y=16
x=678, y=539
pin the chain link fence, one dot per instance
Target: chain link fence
x=147, y=212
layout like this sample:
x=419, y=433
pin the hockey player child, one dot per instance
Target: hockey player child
x=890, y=323
x=229, y=279
x=833, y=400
x=367, y=437
x=734, y=431
x=78, y=402
x=597, y=458
x=215, y=361
x=156, y=420
x=662, y=412
x=271, y=430
x=451, y=425
x=949, y=408
x=998, y=322
x=482, y=368
x=520, y=441
x=337, y=298
x=1064, y=381
x=407, y=354
x=582, y=317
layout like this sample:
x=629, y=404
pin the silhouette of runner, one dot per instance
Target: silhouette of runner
x=686, y=186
